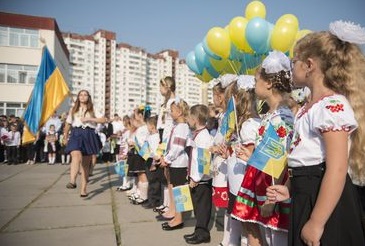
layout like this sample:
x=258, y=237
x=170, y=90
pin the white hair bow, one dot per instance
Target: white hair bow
x=348, y=31
x=275, y=62
x=246, y=82
x=227, y=79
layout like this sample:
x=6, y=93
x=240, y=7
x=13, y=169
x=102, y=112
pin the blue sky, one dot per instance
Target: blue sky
x=180, y=25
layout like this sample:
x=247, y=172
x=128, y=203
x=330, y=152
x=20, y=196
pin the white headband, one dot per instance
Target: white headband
x=348, y=31
x=227, y=79
x=275, y=62
x=246, y=82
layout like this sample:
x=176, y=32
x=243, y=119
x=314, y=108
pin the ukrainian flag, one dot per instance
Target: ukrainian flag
x=229, y=120
x=121, y=168
x=182, y=198
x=204, y=161
x=161, y=149
x=50, y=90
x=270, y=155
x=145, y=151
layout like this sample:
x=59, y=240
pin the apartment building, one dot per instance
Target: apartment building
x=22, y=38
x=120, y=77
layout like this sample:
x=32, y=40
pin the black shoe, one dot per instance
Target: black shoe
x=148, y=205
x=171, y=228
x=186, y=236
x=197, y=240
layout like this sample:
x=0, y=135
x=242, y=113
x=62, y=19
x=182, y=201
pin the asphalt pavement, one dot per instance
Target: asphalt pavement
x=36, y=209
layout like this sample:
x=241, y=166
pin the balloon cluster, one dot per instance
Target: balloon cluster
x=241, y=46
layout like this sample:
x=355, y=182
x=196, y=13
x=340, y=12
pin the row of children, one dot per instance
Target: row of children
x=323, y=205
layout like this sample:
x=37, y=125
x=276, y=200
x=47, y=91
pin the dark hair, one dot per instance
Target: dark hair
x=281, y=81
x=201, y=112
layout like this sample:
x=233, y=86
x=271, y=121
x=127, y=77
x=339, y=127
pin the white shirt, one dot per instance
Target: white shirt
x=153, y=142
x=75, y=120
x=53, y=121
x=14, y=139
x=202, y=140
x=219, y=165
x=164, y=120
x=117, y=127
x=175, y=151
x=332, y=113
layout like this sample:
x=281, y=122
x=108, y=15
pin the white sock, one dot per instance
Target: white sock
x=226, y=229
x=235, y=232
x=63, y=159
x=68, y=157
x=143, y=188
x=166, y=200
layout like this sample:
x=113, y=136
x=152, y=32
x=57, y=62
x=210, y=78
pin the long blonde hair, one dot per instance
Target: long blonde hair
x=343, y=66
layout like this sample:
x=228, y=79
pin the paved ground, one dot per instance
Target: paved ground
x=36, y=209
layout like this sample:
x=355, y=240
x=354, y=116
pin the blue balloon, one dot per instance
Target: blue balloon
x=191, y=62
x=235, y=53
x=202, y=59
x=258, y=35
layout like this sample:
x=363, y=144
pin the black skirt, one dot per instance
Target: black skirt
x=344, y=227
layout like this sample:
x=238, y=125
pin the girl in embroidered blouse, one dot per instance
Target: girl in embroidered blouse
x=83, y=141
x=328, y=139
x=176, y=159
x=273, y=84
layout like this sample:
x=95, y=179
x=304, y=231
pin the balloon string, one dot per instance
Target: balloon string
x=233, y=68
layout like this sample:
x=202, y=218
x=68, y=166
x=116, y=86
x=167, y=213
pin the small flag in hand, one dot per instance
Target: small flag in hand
x=229, y=120
x=145, y=151
x=182, y=198
x=121, y=168
x=270, y=155
x=204, y=160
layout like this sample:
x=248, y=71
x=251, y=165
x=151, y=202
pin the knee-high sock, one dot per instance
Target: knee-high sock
x=166, y=200
x=143, y=188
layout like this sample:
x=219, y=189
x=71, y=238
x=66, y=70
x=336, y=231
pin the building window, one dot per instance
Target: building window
x=21, y=74
x=8, y=108
x=19, y=37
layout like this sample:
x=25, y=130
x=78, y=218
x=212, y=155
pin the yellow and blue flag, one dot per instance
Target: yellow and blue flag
x=229, y=120
x=182, y=198
x=204, y=160
x=270, y=156
x=50, y=90
x=161, y=149
x=121, y=168
x=145, y=151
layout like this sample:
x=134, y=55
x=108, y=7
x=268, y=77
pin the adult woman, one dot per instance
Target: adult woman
x=83, y=141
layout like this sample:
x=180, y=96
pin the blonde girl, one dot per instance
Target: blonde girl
x=328, y=139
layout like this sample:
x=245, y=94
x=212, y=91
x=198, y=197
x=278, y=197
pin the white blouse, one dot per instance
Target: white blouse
x=75, y=120
x=332, y=113
x=153, y=142
x=175, y=151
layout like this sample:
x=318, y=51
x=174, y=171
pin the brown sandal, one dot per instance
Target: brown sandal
x=71, y=186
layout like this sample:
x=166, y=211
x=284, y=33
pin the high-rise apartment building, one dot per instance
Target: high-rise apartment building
x=22, y=38
x=120, y=77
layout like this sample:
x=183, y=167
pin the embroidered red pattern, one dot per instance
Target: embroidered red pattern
x=261, y=130
x=335, y=108
x=281, y=131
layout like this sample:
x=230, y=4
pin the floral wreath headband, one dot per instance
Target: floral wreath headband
x=348, y=31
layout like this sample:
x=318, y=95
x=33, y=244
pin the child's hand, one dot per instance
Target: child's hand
x=223, y=151
x=163, y=163
x=214, y=149
x=192, y=184
x=277, y=193
x=312, y=233
x=242, y=152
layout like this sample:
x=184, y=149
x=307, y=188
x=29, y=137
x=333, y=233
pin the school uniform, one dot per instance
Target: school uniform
x=252, y=194
x=175, y=156
x=307, y=166
x=136, y=163
x=219, y=171
x=83, y=136
x=202, y=193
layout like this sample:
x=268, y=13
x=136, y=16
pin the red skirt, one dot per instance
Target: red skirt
x=220, y=197
x=252, y=195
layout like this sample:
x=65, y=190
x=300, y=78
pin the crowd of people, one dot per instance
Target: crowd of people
x=318, y=198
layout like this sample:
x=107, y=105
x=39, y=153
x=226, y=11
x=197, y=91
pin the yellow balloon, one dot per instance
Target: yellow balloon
x=237, y=29
x=218, y=42
x=255, y=9
x=289, y=19
x=218, y=65
x=283, y=37
x=205, y=76
x=299, y=35
x=232, y=67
